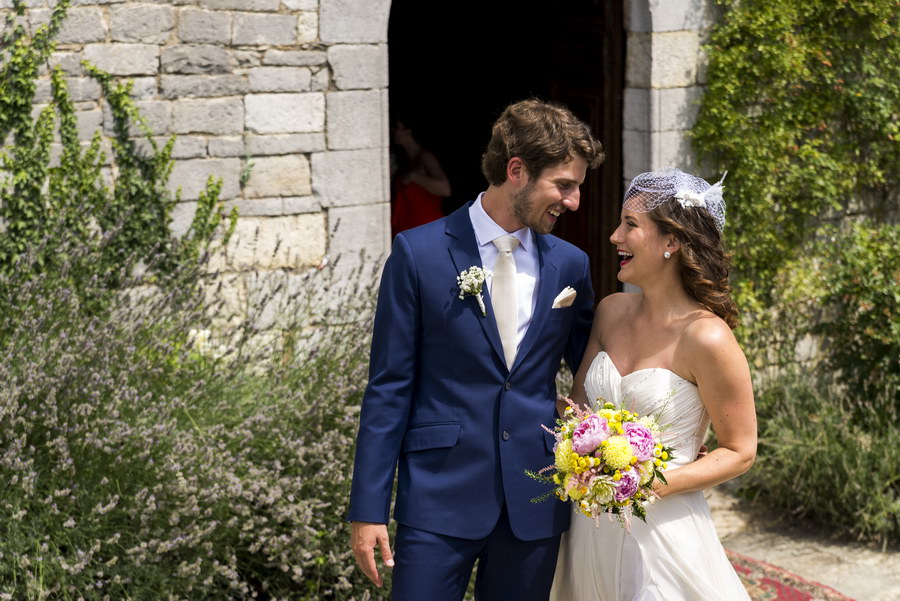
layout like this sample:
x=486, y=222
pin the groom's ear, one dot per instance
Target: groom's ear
x=516, y=172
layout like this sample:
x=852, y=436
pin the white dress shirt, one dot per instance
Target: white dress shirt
x=525, y=255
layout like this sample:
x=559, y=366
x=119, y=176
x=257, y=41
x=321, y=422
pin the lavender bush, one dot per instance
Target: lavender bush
x=143, y=460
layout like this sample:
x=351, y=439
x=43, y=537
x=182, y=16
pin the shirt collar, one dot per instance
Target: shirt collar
x=487, y=230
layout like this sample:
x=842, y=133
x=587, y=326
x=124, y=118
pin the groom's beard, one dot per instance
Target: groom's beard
x=523, y=208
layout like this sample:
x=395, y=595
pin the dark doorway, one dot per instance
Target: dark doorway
x=454, y=66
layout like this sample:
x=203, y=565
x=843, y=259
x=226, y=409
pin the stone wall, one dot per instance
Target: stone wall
x=664, y=77
x=285, y=100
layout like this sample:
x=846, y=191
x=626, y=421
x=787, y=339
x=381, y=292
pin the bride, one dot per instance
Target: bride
x=668, y=351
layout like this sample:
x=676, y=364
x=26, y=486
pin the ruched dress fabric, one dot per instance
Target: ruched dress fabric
x=676, y=554
x=413, y=206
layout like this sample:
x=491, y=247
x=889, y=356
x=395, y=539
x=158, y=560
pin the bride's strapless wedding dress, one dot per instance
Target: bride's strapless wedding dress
x=676, y=554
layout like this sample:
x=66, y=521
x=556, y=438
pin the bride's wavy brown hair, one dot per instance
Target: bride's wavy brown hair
x=703, y=262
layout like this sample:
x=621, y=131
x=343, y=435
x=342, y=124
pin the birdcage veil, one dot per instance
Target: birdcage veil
x=649, y=190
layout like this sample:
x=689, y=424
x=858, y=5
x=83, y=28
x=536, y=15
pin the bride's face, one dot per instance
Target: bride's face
x=640, y=245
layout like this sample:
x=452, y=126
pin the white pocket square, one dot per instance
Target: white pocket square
x=564, y=298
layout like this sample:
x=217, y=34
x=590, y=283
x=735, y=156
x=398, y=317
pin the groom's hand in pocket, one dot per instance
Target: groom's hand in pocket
x=364, y=537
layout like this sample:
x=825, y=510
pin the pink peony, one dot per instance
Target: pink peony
x=589, y=434
x=628, y=485
x=641, y=440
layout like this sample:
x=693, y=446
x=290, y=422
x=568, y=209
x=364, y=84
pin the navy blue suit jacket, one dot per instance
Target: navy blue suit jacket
x=441, y=404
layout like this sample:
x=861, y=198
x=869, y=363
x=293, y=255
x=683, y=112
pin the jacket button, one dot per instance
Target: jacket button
x=505, y=435
x=507, y=385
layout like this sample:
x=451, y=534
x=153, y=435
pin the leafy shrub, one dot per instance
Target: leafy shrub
x=143, y=461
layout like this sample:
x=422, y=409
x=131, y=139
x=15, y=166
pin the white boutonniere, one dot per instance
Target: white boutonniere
x=471, y=283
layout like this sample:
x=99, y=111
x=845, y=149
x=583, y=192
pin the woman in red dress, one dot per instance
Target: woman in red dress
x=419, y=184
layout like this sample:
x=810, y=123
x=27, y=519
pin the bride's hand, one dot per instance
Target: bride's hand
x=703, y=452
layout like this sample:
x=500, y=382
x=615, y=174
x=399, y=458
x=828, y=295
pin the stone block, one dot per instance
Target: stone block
x=307, y=27
x=222, y=116
x=359, y=65
x=294, y=205
x=193, y=60
x=80, y=2
x=286, y=242
x=636, y=109
x=191, y=176
x=157, y=116
x=280, y=79
x=635, y=153
x=69, y=62
x=359, y=233
x=146, y=23
x=232, y=146
x=681, y=15
x=352, y=21
x=83, y=89
x=674, y=59
x=256, y=207
x=673, y=148
x=182, y=217
x=260, y=29
x=144, y=88
x=301, y=4
x=124, y=59
x=350, y=177
x=202, y=86
x=83, y=25
x=274, y=144
x=356, y=120
x=278, y=176
x=321, y=80
x=246, y=58
x=637, y=15
x=676, y=108
x=187, y=147
x=88, y=123
x=285, y=113
x=295, y=58
x=249, y=5
x=638, y=60
x=196, y=26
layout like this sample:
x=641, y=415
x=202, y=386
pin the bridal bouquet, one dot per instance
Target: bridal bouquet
x=606, y=461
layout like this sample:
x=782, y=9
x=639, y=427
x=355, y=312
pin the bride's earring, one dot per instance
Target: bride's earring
x=667, y=254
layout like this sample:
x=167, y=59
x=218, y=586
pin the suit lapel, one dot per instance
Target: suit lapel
x=464, y=253
x=547, y=284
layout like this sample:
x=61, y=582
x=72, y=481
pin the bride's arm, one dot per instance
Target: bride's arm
x=720, y=369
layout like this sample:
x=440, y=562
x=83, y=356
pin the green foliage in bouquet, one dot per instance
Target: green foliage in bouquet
x=56, y=190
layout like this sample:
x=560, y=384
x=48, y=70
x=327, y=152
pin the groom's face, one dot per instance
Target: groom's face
x=540, y=202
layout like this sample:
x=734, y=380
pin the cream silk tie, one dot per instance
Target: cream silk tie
x=504, y=297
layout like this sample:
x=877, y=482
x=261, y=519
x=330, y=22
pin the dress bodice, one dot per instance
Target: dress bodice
x=672, y=400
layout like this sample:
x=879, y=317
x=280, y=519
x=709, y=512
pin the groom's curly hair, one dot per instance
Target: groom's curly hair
x=542, y=134
x=703, y=262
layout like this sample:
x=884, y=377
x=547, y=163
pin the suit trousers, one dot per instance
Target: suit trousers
x=438, y=567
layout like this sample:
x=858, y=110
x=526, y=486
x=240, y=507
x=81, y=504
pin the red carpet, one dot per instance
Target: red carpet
x=765, y=582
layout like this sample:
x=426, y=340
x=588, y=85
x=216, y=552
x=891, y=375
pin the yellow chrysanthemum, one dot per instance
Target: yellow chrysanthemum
x=564, y=456
x=617, y=453
x=646, y=471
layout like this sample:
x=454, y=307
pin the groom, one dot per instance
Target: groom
x=457, y=394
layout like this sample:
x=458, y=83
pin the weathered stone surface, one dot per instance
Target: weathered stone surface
x=82, y=25
x=278, y=176
x=146, y=23
x=124, y=59
x=88, y=123
x=285, y=113
x=182, y=216
x=202, y=86
x=246, y=58
x=638, y=60
x=232, y=146
x=256, y=207
x=69, y=62
x=157, y=115
x=221, y=116
x=635, y=153
x=677, y=108
x=352, y=21
x=673, y=148
x=681, y=15
x=674, y=59
x=196, y=26
x=301, y=204
x=81, y=89
x=187, y=147
x=636, y=109
x=350, y=177
x=321, y=80
x=356, y=120
x=254, y=5
x=301, y=4
x=280, y=79
x=78, y=2
x=195, y=60
x=295, y=58
x=277, y=242
x=360, y=233
x=307, y=27
x=359, y=65
x=274, y=144
x=191, y=176
x=144, y=88
x=637, y=15
x=269, y=30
